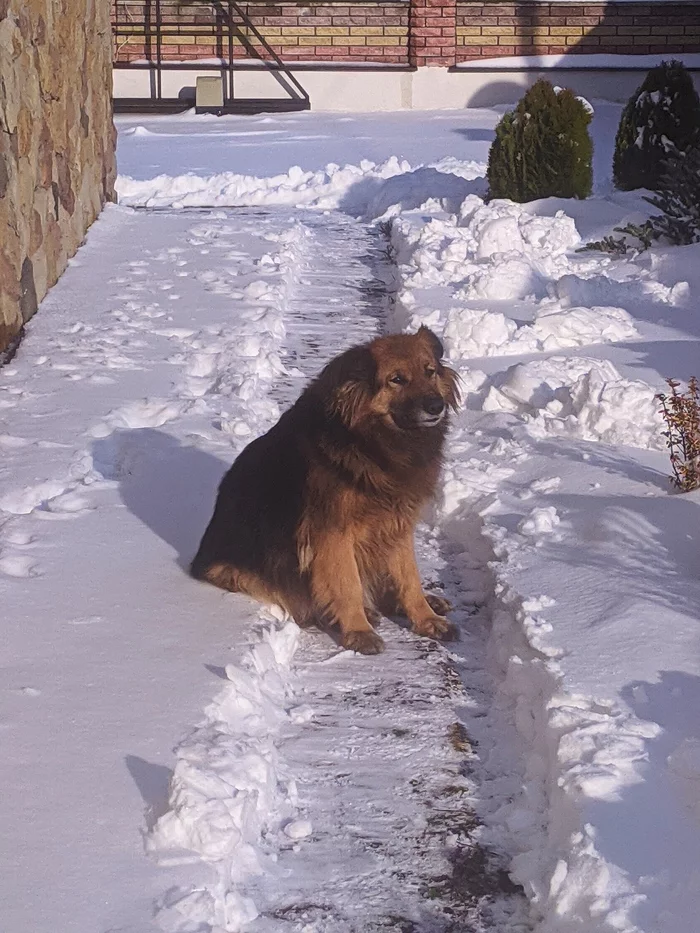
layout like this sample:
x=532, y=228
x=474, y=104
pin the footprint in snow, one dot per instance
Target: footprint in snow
x=16, y=565
x=11, y=442
x=24, y=501
x=16, y=536
x=70, y=503
x=85, y=620
x=150, y=413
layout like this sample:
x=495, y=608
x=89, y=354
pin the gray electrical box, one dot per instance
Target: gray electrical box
x=209, y=95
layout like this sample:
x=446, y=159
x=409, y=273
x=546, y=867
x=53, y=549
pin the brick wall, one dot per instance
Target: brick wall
x=325, y=32
x=432, y=33
x=412, y=32
x=487, y=30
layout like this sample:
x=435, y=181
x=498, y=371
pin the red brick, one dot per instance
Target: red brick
x=634, y=31
x=666, y=31
x=281, y=20
x=582, y=20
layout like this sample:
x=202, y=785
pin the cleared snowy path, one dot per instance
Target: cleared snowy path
x=168, y=344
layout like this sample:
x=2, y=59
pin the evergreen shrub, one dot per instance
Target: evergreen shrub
x=542, y=148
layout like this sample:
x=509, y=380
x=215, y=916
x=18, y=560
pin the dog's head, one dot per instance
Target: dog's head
x=399, y=380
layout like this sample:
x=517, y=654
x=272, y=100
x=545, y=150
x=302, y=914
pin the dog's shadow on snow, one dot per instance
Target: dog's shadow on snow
x=170, y=486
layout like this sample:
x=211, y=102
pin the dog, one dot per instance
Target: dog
x=318, y=515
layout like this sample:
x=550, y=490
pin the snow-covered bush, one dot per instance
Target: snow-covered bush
x=661, y=117
x=542, y=148
x=679, y=199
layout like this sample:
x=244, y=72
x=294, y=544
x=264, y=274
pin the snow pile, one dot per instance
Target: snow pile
x=623, y=283
x=580, y=749
x=495, y=251
x=494, y=280
x=473, y=332
x=229, y=786
x=369, y=189
x=498, y=252
x=581, y=398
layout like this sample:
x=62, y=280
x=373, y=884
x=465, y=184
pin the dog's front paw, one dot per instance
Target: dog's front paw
x=364, y=641
x=438, y=604
x=436, y=627
x=373, y=617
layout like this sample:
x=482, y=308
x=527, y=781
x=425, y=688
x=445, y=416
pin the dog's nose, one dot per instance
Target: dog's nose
x=433, y=405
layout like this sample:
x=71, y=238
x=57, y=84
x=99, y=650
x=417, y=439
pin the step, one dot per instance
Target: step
x=240, y=105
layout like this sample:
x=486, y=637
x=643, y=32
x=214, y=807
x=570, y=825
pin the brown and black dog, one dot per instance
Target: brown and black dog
x=318, y=515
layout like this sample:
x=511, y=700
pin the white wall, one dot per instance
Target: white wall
x=355, y=90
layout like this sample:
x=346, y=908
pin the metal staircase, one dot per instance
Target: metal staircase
x=155, y=27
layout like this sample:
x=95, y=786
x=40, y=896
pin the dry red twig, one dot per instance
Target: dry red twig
x=681, y=412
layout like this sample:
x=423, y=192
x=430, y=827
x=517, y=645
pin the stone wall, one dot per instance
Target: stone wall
x=57, y=140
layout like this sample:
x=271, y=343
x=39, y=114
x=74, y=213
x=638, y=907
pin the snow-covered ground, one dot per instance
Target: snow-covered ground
x=178, y=758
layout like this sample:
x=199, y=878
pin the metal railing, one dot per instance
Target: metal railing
x=157, y=24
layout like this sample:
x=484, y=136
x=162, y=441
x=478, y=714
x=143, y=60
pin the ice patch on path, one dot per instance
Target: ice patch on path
x=581, y=398
x=229, y=789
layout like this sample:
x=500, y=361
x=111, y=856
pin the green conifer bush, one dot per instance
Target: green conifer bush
x=542, y=148
x=660, y=119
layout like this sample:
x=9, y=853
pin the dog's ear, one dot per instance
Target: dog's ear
x=432, y=340
x=450, y=381
x=448, y=377
x=347, y=384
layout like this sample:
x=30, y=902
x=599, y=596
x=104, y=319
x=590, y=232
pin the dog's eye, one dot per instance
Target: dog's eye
x=430, y=371
x=398, y=380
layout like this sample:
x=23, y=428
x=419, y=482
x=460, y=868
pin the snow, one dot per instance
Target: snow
x=586, y=563
x=181, y=759
x=568, y=62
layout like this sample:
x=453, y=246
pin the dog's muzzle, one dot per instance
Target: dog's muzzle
x=428, y=421
x=432, y=410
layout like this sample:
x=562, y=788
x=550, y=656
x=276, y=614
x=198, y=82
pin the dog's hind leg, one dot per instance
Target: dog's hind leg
x=337, y=591
x=227, y=577
x=219, y=574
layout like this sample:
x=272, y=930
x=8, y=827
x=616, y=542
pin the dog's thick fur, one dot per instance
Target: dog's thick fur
x=318, y=515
